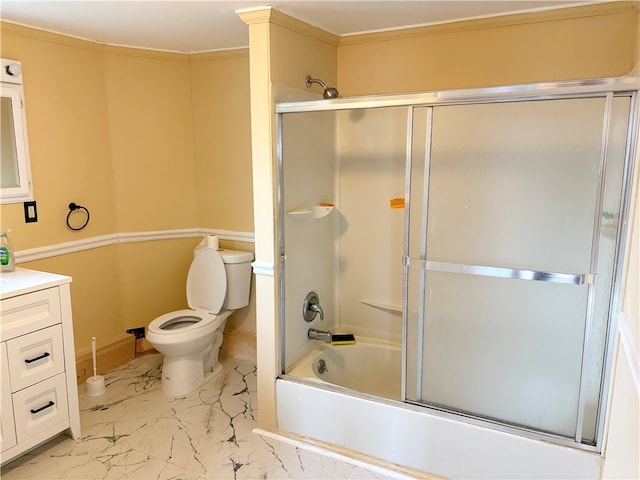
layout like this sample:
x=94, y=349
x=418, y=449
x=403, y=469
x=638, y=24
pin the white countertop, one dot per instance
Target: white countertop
x=24, y=281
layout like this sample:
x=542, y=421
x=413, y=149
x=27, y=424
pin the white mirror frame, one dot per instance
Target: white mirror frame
x=11, y=86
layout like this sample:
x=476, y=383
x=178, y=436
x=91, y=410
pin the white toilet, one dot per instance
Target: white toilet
x=217, y=284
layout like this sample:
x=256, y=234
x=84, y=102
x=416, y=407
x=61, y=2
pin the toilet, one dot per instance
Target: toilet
x=217, y=284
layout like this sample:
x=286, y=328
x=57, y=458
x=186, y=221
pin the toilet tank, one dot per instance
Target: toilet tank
x=238, y=268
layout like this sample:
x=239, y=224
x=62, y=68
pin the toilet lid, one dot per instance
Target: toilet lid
x=207, y=281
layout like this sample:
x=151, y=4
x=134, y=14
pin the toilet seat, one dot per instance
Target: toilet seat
x=167, y=324
x=180, y=322
x=206, y=269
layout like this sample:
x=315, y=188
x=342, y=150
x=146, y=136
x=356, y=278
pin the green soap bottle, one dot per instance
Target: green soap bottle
x=7, y=259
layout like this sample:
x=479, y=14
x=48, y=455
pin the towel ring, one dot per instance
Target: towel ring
x=72, y=208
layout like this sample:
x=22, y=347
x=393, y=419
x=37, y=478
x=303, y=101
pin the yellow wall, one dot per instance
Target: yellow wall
x=126, y=133
x=150, y=120
x=298, y=50
x=70, y=161
x=221, y=119
x=222, y=147
x=68, y=136
x=95, y=292
x=585, y=42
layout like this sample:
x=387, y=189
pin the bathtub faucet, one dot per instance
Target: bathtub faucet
x=317, y=309
x=315, y=334
x=311, y=307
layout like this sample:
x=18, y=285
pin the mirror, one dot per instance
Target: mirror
x=15, y=171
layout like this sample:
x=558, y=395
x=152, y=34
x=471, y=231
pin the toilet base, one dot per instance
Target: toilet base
x=185, y=374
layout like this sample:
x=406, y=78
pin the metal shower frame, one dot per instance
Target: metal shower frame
x=608, y=87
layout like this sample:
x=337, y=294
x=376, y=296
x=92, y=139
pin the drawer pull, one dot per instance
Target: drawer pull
x=31, y=360
x=36, y=410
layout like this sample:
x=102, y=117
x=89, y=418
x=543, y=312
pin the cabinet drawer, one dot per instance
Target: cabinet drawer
x=26, y=313
x=7, y=429
x=40, y=406
x=35, y=357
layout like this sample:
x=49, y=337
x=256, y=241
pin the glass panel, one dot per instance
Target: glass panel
x=414, y=314
x=609, y=218
x=308, y=168
x=511, y=185
x=10, y=174
x=352, y=255
x=372, y=149
x=509, y=350
x=515, y=184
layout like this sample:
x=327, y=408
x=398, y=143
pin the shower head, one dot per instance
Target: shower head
x=329, y=92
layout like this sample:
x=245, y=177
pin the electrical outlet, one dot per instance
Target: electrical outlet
x=138, y=332
x=30, y=212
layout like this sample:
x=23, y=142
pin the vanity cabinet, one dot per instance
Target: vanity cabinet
x=39, y=391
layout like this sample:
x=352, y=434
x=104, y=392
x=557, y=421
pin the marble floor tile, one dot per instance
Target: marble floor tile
x=136, y=432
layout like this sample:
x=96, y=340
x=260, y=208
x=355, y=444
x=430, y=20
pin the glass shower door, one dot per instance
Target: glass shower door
x=502, y=259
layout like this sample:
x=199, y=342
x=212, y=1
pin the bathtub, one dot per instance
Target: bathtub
x=369, y=367
x=355, y=405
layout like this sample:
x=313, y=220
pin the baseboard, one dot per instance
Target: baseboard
x=239, y=345
x=110, y=355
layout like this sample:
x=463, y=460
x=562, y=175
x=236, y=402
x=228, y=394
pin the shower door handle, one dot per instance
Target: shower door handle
x=501, y=272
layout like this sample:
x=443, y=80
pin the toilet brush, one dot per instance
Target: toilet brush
x=95, y=384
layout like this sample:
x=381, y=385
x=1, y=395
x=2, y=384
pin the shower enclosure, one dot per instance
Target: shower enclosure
x=482, y=230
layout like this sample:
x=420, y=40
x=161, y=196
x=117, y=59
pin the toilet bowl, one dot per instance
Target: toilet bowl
x=217, y=284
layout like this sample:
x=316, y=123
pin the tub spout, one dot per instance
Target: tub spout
x=315, y=334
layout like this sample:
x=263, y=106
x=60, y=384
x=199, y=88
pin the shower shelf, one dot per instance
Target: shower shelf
x=318, y=211
x=397, y=309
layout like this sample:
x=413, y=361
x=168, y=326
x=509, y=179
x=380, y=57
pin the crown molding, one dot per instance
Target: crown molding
x=276, y=17
x=255, y=15
x=43, y=35
x=215, y=55
x=49, y=36
x=304, y=28
x=125, y=51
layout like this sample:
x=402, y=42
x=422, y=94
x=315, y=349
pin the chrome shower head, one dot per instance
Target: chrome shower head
x=329, y=92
